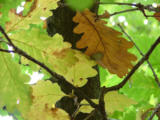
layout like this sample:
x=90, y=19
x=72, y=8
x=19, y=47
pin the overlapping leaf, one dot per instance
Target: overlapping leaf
x=56, y=54
x=117, y=102
x=5, y=6
x=100, y=39
x=113, y=102
x=79, y=72
x=40, y=8
x=39, y=45
x=45, y=94
x=14, y=93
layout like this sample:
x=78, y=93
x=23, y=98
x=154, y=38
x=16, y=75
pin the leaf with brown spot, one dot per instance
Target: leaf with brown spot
x=98, y=38
x=38, y=9
x=45, y=95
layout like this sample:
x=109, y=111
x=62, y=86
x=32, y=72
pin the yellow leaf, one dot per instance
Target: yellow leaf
x=99, y=38
x=113, y=102
x=86, y=108
x=117, y=102
x=81, y=70
x=45, y=95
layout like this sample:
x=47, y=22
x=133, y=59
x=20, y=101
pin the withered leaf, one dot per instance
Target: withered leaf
x=98, y=38
x=157, y=15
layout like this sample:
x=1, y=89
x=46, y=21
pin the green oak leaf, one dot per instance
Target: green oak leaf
x=14, y=92
x=5, y=6
x=142, y=87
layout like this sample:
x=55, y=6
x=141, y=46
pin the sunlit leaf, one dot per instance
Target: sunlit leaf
x=40, y=8
x=14, y=92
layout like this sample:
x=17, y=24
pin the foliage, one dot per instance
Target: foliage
x=92, y=59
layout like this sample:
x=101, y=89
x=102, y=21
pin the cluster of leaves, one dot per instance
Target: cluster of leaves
x=68, y=48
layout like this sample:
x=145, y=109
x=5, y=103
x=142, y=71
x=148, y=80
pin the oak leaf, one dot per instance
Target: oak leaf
x=45, y=95
x=39, y=9
x=56, y=54
x=51, y=51
x=114, y=101
x=157, y=15
x=81, y=70
x=14, y=92
x=100, y=39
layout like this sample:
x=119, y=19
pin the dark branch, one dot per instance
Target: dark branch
x=117, y=3
x=124, y=11
x=7, y=51
x=102, y=102
x=141, y=61
x=150, y=65
x=139, y=7
x=154, y=112
x=53, y=74
x=6, y=36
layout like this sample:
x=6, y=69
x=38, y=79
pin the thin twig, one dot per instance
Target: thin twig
x=154, y=112
x=141, y=61
x=2, y=41
x=90, y=115
x=53, y=74
x=138, y=5
x=124, y=11
x=117, y=3
x=150, y=65
x=7, y=51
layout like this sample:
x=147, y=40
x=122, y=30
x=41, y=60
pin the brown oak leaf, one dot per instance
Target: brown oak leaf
x=100, y=39
x=157, y=15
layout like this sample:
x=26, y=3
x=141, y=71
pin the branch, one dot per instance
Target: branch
x=102, y=102
x=53, y=74
x=7, y=51
x=117, y=3
x=138, y=6
x=141, y=61
x=154, y=112
x=150, y=65
x=123, y=11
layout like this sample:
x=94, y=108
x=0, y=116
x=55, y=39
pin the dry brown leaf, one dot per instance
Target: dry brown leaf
x=98, y=38
x=104, y=15
x=157, y=15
